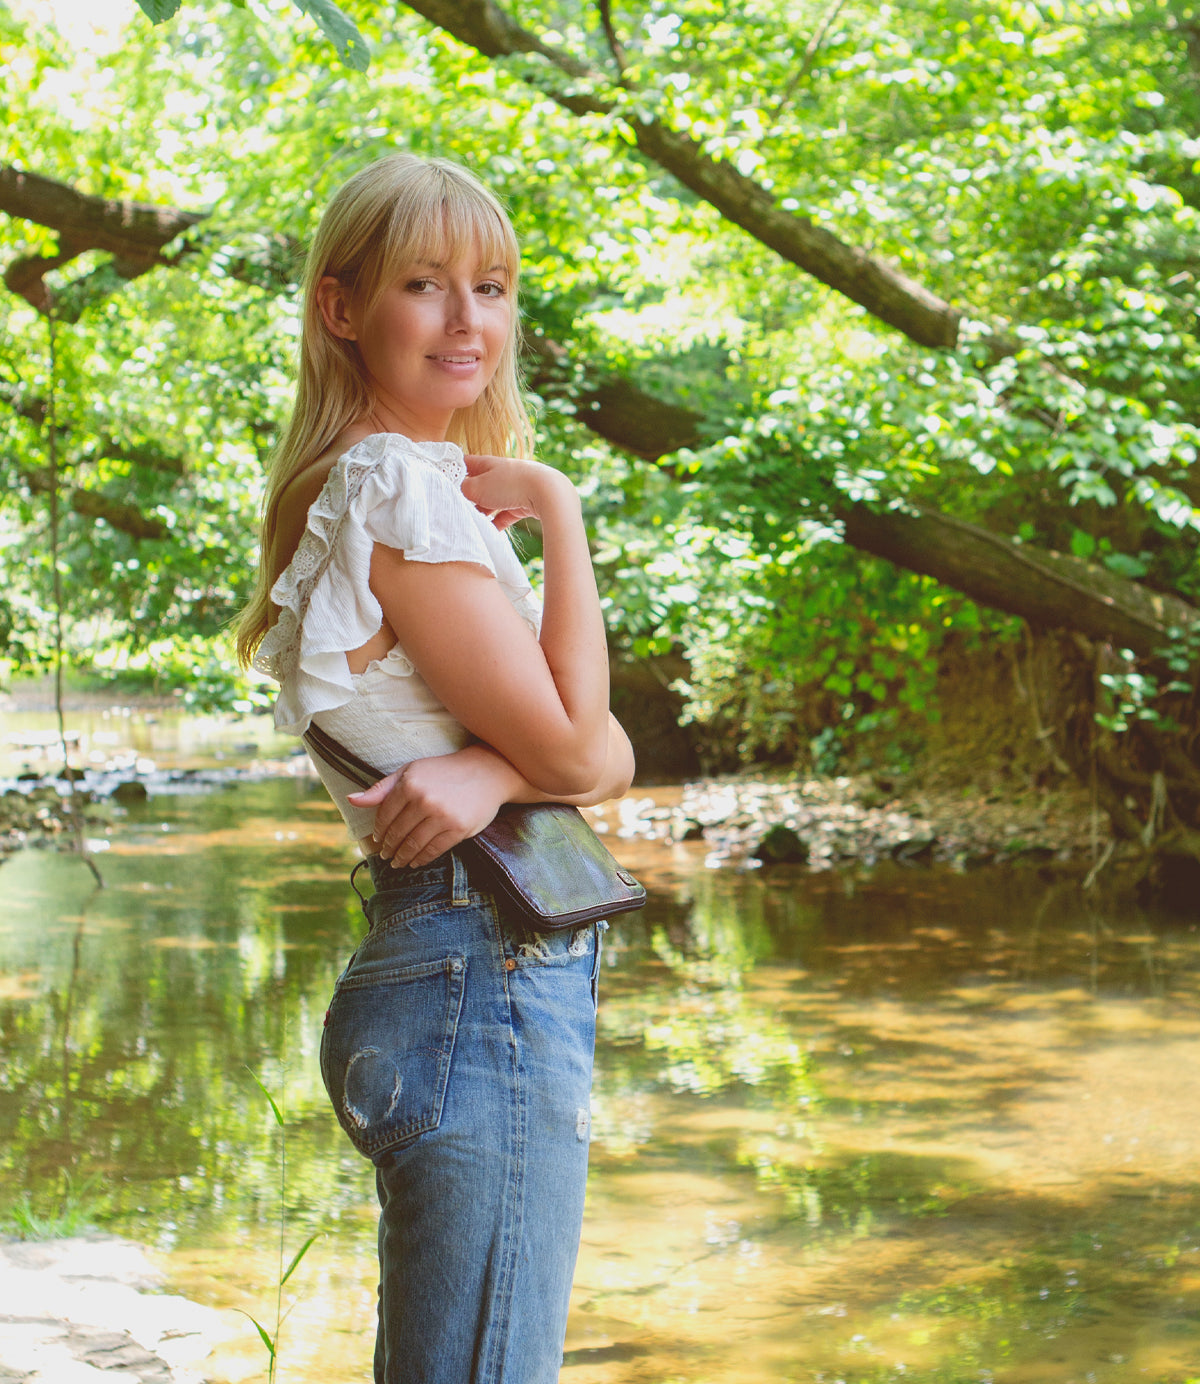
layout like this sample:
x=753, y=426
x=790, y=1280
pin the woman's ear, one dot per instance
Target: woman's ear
x=334, y=306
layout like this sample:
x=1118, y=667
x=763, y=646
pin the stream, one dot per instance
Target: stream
x=882, y=1125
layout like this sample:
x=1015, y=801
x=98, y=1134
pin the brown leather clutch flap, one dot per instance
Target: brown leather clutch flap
x=550, y=865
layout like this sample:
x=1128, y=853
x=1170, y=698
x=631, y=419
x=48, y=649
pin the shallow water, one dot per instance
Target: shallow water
x=904, y=1126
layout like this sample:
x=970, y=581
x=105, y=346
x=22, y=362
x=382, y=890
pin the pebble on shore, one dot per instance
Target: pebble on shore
x=745, y=821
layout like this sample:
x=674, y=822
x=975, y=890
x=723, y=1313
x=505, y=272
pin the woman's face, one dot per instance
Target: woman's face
x=432, y=342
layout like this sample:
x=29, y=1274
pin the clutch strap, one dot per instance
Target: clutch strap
x=335, y=754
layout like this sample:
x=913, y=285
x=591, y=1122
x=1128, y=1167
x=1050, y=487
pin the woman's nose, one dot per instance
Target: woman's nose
x=464, y=313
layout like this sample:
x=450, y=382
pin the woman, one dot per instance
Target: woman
x=394, y=614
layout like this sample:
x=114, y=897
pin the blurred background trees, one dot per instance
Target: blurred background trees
x=869, y=332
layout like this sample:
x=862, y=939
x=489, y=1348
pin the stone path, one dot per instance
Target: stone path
x=84, y=1311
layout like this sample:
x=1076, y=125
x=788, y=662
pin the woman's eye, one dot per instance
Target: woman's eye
x=421, y=285
x=491, y=289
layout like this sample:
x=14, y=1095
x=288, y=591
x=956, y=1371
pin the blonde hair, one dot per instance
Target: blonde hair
x=394, y=213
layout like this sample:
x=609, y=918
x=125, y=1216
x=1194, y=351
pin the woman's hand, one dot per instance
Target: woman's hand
x=510, y=489
x=431, y=805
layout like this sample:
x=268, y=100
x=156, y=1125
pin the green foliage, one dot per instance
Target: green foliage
x=796, y=647
x=336, y=26
x=158, y=11
x=1035, y=166
x=79, y=1208
x=333, y=22
x=1133, y=694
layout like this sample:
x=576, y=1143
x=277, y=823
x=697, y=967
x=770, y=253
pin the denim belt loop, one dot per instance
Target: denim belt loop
x=362, y=898
x=459, y=895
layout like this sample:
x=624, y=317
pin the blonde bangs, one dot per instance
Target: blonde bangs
x=438, y=218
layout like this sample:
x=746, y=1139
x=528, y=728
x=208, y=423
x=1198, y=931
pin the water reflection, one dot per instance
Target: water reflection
x=911, y=1126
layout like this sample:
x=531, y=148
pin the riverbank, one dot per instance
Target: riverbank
x=745, y=821
x=826, y=823
x=122, y=754
x=90, y=1308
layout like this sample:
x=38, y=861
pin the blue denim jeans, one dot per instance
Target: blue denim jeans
x=457, y=1052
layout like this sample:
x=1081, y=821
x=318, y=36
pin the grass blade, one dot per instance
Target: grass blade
x=262, y=1331
x=300, y=1253
x=274, y=1107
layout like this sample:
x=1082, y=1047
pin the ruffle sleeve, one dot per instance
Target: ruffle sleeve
x=386, y=489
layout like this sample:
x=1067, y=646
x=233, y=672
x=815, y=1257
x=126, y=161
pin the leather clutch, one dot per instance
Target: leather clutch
x=551, y=866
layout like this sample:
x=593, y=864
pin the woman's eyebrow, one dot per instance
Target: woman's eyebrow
x=440, y=267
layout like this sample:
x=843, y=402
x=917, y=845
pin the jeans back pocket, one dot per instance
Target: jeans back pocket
x=386, y=1050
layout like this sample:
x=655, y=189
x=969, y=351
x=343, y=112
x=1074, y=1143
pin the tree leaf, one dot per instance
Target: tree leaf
x=158, y=11
x=337, y=26
x=296, y=1258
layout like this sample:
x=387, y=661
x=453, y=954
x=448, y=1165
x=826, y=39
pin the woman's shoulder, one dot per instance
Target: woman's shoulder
x=291, y=510
x=303, y=489
x=367, y=450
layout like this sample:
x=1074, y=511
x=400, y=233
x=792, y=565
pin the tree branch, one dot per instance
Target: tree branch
x=32, y=407
x=133, y=232
x=610, y=36
x=875, y=284
x=94, y=504
x=614, y=407
x=1049, y=589
x=139, y=453
x=811, y=49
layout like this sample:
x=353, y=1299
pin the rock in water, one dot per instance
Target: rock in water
x=780, y=845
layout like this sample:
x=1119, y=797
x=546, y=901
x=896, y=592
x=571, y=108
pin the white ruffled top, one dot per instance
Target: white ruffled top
x=385, y=489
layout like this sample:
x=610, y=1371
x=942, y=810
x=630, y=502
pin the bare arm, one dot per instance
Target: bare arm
x=614, y=781
x=542, y=704
x=539, y=707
